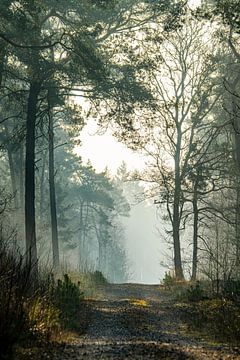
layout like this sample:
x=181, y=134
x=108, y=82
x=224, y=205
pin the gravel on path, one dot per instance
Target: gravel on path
x=132, y=321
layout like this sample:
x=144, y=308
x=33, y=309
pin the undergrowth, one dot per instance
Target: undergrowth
x=216, y=316
x=218, y=319
x=191, y=292
x=38, y=311
x=88, y=280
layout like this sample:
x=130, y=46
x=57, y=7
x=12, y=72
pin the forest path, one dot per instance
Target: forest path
x=133, y=321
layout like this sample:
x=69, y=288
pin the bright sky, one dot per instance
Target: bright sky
x=104, y=150
x=194, y=3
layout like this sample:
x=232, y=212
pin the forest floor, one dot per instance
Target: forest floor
x=133, y=321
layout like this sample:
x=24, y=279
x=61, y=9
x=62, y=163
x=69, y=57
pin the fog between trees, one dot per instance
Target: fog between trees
x=165, y=79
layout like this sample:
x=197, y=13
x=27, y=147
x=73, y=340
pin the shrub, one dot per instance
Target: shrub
x=43, y=317
x=190, y=292
x=15, y=286
x=88, y=280
x=195, y=292
x=231, y=289
x=219, y=318
x=98, y=278
x=34, y=309
x=67, y=296
x=168, y=281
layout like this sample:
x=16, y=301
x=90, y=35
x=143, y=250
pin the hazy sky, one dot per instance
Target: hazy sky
x=143, y=244
x=194, y=3
x=104, y=150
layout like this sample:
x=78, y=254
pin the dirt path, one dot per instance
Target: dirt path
x=139, y=322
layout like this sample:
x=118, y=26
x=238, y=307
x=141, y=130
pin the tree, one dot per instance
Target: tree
x=229, y=13
x=33, y=50
x=184, y=92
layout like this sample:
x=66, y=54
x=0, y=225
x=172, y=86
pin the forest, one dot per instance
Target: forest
x=163, y=77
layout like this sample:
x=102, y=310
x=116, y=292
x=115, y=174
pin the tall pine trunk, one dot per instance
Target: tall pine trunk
x=12, y=168
x=21, y=176
x=53, y=207
x=30, y=225
x=3, y=50
x=42, y=187
x=80, y=255
x=237, y=226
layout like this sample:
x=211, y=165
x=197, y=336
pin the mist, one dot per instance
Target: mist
x=144, y=245
x=120, y=178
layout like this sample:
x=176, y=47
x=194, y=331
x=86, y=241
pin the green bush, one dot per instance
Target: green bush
x=190, y=292
x=55, y=306
x=231, y=289
x=168, y=281
x=88, y=280
x=98, y=278
x=67, y=296
x=195, y=292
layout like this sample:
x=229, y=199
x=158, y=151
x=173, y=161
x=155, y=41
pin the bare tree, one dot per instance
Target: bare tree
x=181, y=70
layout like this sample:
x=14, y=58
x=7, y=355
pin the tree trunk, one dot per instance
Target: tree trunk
x=85, y=227
x=30, y=226
x=12, y=168
x=101, y=255
x=176, y=214
x=21, y=176
x=217, y=257
x=3, y=49
x=195, y=234
x=42, y=189
x=237, y=226
x=237, y=158
x=21, y=194
x=176, y=238
x=236, y=126
x=80, y=236
x=53, y=208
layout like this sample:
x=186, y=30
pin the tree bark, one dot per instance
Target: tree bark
x=42, y=189
x=236, y=126
x=21, y=193
x=237, y=226
x=176, y=213
x=30, y=225
x=80, y=236
x=21, y=176
x=176, y=237
x=53, y=207
x=12, y=168
x=101, y=258
x=195, y=233
x=3, y=49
